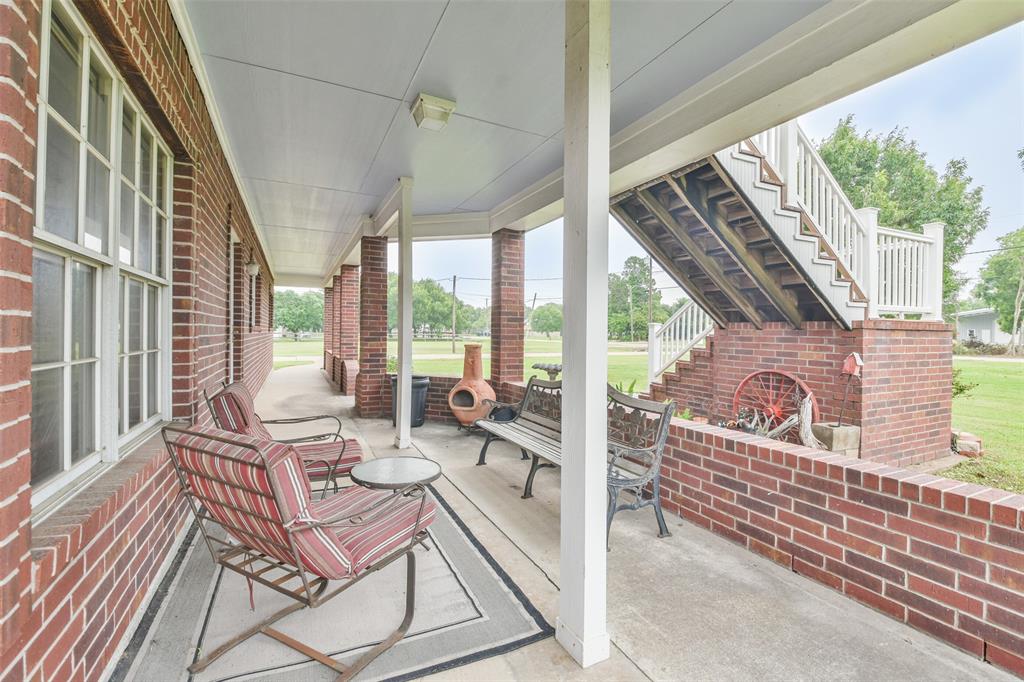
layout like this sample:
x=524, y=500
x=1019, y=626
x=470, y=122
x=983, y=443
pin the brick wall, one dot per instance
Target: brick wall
x=19, y=82
x=942, y=556
x=508, y=252
x=341, y=341
x=70, y=584
x=373, y=326
x=904, y=403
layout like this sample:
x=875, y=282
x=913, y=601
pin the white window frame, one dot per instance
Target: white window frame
x=112, y=445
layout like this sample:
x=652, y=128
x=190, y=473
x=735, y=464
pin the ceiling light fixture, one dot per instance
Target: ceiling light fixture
x=432, y=113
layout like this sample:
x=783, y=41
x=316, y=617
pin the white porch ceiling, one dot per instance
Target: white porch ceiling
x=315, y=97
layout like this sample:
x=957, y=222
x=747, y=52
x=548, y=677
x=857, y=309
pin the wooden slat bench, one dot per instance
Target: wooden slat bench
x=637, y=430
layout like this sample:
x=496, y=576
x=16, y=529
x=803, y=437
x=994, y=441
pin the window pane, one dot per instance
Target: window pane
x=153, y=326
x=83, y=311
x=134, y=315
x=120, y=394
x=153, y=377
x=146, y=165
x=99, y=109
x=83, y=410
x=128, y=143
x=161, y=179
x=61, y=199
x=134, y=390
x=145, y=257
x=65, y=71
x=47, y=307
x=97, y=184
x=161, y=229
x=127, y=231
x=120, y=316
x=47, y=424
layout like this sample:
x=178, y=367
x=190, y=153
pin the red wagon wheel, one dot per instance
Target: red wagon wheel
x=773, y=395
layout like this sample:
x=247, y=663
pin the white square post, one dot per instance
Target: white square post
x=403, y=416
x=934, y=269
x=581, y=626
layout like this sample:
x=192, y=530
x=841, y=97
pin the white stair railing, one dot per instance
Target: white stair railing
x=680, y=333
x=899, y=271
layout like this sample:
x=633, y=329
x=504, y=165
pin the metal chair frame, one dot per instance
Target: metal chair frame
x=311, y=591
x=334, y=436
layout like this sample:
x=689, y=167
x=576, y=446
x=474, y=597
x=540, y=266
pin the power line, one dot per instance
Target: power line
x=1002, y=248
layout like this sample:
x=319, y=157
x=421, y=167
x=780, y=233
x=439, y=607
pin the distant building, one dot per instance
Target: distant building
x=981, y=325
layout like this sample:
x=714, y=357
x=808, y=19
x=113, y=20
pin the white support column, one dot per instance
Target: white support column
x=869, y=276
x=581, y=626
x=934, y=269
x=403, y=416
x=653, y=351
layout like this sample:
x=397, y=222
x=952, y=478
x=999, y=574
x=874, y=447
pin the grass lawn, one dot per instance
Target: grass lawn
x=621, y=368
x=992, y=411
x=289, y=347
x=278, y=364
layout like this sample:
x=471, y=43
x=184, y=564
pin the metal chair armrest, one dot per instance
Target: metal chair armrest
x=308, y=439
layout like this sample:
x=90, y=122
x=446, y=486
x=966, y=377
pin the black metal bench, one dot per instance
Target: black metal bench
x=637, y=431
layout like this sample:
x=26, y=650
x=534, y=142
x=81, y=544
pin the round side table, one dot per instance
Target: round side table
x=395, y=473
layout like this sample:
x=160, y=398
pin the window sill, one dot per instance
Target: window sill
x=62, y=538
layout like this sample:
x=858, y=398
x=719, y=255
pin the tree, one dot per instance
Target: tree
x=627, y=319
x=432, y=309
x=547, y=319
x=1002, y=286
x=891, y=173
x=299, y=312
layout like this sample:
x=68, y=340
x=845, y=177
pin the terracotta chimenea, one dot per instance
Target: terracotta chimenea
x=467, y=397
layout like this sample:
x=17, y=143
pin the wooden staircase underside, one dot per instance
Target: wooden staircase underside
x=701, y=229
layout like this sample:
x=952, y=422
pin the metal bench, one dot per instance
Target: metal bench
x=637, y=431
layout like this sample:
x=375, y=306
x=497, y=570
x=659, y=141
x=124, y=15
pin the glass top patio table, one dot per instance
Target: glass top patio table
x=395, y=473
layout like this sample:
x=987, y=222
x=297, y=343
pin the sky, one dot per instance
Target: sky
x=968, y=103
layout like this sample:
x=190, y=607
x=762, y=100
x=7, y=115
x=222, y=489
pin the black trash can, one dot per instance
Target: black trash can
x=419, y=399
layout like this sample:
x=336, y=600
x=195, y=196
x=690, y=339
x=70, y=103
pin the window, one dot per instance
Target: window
x=100, y=300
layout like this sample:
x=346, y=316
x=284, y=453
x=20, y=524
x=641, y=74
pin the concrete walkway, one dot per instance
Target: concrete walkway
x=692, y=606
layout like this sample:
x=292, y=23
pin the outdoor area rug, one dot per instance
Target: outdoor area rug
x=467, y=609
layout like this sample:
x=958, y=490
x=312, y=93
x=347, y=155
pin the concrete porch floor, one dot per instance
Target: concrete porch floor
x=693, y=606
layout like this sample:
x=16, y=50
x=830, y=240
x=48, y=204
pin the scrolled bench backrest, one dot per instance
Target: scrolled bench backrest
x=542, y=407
x=639, y=424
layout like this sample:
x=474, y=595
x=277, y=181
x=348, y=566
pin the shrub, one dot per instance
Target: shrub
x=960, y=386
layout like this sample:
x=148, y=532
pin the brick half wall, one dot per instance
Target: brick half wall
x=904, y=402
x=942, y=556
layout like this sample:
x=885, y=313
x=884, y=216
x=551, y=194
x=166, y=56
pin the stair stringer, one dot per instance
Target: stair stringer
x=803, y=250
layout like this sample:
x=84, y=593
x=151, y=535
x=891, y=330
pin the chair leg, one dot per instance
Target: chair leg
x=528, y=490
x=483, y=451
x=346, y=672
x=394, y=637
x=662, y=526
x=524, y=454
x=613, y=502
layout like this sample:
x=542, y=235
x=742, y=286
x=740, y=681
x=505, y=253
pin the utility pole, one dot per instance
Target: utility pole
x=650, y=291
x=454, y=315
x=631, y=313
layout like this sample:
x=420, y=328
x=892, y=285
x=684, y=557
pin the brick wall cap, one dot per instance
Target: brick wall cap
x=904, y=325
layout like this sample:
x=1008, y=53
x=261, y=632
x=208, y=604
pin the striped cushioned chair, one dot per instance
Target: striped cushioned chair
x=326, y=456
x=258, y=492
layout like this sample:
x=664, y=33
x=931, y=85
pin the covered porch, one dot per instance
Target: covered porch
x=691, y=606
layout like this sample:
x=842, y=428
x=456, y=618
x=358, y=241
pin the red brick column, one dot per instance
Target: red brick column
x=347, y=327
x=906, y=396
x=373, y=326
x=18, y=88
x=328, y=329
x=507, y=322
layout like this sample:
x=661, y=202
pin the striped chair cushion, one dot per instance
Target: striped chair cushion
x=367, y=543
x=234, y=411
x=319, y=457
x=252, y=493
x=258, y=494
